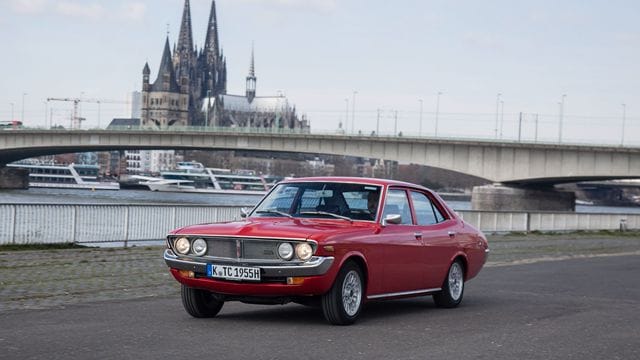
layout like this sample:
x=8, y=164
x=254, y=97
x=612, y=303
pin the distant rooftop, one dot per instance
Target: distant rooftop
x=119, y=122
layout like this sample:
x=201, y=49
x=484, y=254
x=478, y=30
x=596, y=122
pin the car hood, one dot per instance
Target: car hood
x=316, y=229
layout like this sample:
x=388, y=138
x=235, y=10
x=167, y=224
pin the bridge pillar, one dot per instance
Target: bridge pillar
x=501, y=197
x=11, y=178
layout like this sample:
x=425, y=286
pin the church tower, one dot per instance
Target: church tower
x=164, y=103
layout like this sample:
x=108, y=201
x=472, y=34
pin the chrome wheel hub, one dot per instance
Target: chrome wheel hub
x=351, y=293
x=456, y=281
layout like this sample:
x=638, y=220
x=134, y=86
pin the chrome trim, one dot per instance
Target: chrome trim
x=403, y=293
x=317, y=265
x=486, y=251
x=242, y=237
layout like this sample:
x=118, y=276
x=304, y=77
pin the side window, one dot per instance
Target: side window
x=424, y=209
x=439, y=215
x=397, y=203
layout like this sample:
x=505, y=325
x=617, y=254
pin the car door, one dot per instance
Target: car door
x=438, y=236
x=402, y=249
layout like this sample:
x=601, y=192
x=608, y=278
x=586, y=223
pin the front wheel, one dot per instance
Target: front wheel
x=342, y=304
x=453, y=287
x=200, y=303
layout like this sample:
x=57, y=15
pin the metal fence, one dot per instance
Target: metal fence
x=49, y=224
x=124, y=223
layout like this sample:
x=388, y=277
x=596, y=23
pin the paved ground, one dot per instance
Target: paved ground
x=107, y=304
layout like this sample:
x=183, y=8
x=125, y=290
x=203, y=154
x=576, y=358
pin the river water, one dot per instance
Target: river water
x=68, y=196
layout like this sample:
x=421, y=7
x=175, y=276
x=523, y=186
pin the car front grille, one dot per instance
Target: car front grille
x=243, y=248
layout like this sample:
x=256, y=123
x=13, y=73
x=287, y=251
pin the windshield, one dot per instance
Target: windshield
x=322, y=200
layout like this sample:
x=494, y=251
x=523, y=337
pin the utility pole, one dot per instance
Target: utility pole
x=353, y=106
x=495, y=128
x=624, y=120
x=501, y=117
x=561, y=118
x=378, y=124
x=11, y=111
x=520, y=127
x=346, y=115
x=395, y=124
x=535, y=138
x=22, y=117
x=420, y=128
x=437, y=112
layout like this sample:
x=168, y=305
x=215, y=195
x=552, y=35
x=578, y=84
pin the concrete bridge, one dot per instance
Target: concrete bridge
x=523, y=165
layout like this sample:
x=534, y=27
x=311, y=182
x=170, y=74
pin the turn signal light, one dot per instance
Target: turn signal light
x=187, y=274
x=295, y=280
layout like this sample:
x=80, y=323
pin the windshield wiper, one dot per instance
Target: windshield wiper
x=273, y=211
x=326, y=213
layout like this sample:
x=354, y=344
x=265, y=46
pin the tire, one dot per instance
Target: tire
x=342, y=304
x=452, y=288
x=200, y=303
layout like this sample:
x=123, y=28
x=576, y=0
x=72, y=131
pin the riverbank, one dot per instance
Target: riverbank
x=56, y=278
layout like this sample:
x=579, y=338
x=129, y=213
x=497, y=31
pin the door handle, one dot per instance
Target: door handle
x=452, y=233
x=418, y=235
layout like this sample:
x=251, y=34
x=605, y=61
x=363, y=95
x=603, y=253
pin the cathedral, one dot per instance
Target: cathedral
x=191, y=88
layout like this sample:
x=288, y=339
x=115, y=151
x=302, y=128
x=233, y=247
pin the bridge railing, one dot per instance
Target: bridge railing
x=125, y=223
x=338, y=132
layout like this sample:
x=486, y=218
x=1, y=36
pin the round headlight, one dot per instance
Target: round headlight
x=182, y=245
x=199, y=247
x=285, y=251
x=304, y=251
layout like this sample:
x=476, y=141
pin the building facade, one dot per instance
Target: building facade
x=191, y=88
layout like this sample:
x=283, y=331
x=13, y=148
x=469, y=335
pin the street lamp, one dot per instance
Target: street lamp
x=346, y=115
x=624, y=120
x=420, y=128
x=206, y=122
x=495, y=129
x=501, y=117
x=22, y=117
x=437, y=112
x=353, y=107
x=561, y=118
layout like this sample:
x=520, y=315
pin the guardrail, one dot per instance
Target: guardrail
x=125, y=223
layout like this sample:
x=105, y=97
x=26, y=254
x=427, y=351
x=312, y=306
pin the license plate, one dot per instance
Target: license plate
x=233, y=272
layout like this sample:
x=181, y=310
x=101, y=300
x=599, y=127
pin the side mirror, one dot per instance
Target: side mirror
x=392, y=219
x=244, y=212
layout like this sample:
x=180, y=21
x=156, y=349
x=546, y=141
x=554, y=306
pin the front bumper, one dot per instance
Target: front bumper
x=316, y=266
x=317, y=273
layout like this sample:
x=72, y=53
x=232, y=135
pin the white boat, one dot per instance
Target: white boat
x=74, y=176
x=191, y=176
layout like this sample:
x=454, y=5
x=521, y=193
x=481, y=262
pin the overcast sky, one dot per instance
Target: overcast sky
x=318, y=52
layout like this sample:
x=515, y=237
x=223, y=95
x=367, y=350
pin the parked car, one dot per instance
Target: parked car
x=337, y=242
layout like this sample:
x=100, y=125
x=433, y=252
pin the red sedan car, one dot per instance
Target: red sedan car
x=337, y=242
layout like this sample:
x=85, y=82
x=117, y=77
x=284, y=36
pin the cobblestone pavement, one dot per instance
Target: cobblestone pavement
x=43, y=279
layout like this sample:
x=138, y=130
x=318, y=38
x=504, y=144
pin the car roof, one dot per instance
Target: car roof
x=359, y=180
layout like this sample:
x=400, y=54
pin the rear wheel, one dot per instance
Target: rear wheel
x=342, y=304
x=453, y=287
x=200, y=303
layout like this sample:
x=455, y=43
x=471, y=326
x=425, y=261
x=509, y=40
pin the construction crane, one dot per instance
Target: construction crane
x=76, y=119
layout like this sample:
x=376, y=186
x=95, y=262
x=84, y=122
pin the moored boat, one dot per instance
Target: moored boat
x=190, y=176
x=72, y=176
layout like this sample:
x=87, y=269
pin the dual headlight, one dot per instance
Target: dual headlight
x=286, y=251
x=303, y=251
x=183, y=246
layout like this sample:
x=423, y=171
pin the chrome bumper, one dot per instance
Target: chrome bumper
x=318, y=265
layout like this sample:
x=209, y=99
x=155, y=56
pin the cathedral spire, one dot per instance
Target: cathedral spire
x=185, y=41
x=211, y=42
x=251, y=78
